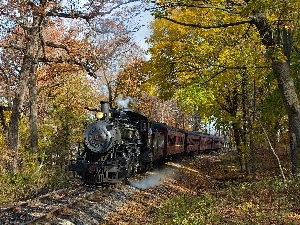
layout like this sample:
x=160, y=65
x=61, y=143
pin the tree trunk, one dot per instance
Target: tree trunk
x=13, y=135
x=247, y=126
x=290, y=99
x=237, y=139
x=13, y=131
x=33, y=118
x=245, y=110
x=281, y=68
x=28, y=67
x=33, y=98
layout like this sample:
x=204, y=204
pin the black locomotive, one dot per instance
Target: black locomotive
x=121, y=143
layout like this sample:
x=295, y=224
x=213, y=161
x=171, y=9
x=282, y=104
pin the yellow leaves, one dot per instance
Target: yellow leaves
x=276, y=54
x=149, y=88
x=247, y=207
x=284, y=11
x=275, y=9
x=215, y=59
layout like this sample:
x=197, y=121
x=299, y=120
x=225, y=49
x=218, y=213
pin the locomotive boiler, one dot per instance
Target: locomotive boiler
x=114, y=147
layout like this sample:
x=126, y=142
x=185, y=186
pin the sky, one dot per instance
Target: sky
x=144, y=31
x=144, y=18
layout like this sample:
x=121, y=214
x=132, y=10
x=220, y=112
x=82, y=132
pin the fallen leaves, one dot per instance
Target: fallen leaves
x=218, y=194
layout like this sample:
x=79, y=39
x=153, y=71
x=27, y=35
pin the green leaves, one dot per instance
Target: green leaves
x=194, y=96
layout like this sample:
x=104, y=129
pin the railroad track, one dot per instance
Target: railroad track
x=46, y=206
x=77, y=205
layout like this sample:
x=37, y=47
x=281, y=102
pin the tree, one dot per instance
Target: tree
x=273, y=22
x=205, y=71
x=31, y=46
x=64, y=96
x=130, y=79
x=117, y=54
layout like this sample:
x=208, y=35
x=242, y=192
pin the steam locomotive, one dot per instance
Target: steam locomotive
x=122, y=143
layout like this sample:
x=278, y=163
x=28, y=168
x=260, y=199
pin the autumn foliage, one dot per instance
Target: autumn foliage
x=53, y=55
x=225, y=67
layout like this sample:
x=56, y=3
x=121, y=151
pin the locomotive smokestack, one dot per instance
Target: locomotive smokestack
x=105, y=109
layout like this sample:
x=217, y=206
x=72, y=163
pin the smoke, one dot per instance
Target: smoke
x=154, y=179
x=124, y=103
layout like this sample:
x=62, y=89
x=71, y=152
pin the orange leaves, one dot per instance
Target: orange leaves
x=130, y=79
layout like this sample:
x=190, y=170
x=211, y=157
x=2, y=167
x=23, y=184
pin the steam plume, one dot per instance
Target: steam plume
x=154, y=179
x=124, y=103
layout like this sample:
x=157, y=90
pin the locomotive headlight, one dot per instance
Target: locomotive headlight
x=99, y=115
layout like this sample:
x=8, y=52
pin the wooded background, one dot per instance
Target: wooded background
x=231, y=64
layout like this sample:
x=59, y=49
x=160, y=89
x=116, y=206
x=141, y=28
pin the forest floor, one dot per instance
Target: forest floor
x=199, y=189
x=210, y=189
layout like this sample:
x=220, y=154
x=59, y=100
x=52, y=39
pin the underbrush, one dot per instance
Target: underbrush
x=20, y=186
x=30, y=179
x=265, y=202
x=222, y=195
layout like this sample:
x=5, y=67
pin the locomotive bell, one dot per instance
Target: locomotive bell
x=105, y=110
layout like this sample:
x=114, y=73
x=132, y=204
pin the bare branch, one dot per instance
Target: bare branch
x=212, y=7
x=198, y=25
x=54, y=45
x=16, y=47
x=87, y=16
x=85, y=65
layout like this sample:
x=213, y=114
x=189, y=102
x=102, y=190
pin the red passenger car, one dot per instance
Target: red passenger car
x=217, y=142
x=192, y=141
x=173, y=139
